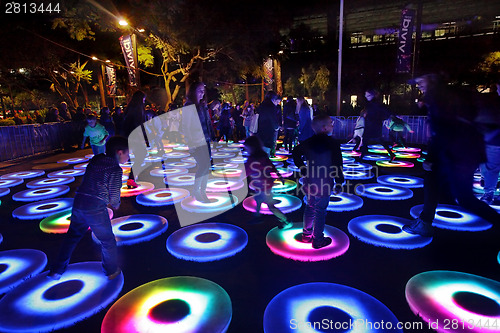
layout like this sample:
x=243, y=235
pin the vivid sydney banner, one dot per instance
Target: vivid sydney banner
x=405, y=43
x=268, y=74
x=130, y=58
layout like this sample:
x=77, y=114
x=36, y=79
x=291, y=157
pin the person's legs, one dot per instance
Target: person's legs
x=268, y=199
x=100, y=224
x=320, y=204
x=357, y=141
x=490, y=171
x=267, y=150
x=202, y=157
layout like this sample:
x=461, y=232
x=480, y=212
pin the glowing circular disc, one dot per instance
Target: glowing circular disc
x=406, y=155
x=4, y=191
x=153, y=159
x=230, y=149
x=237, y=160
x=278, y=158
x=10, y=182
x=181, y=147
x=187, y=165
x=176, y=154
x=293, y=167
x=278, y=164
x=283, y=172
x=222, y=155
x=181, y=180
x=89, y=156
x=285, y=202
x=377, y=151
x=46, y=305
x=81, y=166
x=238, y=145
x=288, y=243
x=454, y=218
x=50, y=166
x=216, y=166
x=347, y=146
x=498, y=257
x=348, y=160
x=357, y=166
x=342, y=202
x=283, y=151
x=407, y=149
x=1, y=238
x=50, y=181
x=358, y=175
x=188, y=159
x=175, y=304
x=470, y=302
x=383, y=192
x=41, y=193
x=162, y=197
x=41, y=209
x=66, y=173
x=375, y=158
x=127, y=164
x=17, y=265
x=143, y=187
x=395, y=164
x=58, y=223
x=222, y=185
x=351, y=153
x=159, y=172
x=478, y=188
x=74, y=160
x=133, y=229
x=23, y=174
x=205, y=242
x=376, y=147
x=385, y=231
x=218, y=202
x=334, y=305
x=229, y=173
x=401, y=180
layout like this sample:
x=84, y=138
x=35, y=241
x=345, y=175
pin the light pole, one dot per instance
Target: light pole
x=339, y=68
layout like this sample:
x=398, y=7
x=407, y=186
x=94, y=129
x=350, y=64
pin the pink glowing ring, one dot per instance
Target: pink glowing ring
x=41, y=209
x=143, y=187
x=222, y=185
x=237, y=160
x=162, y=197
x=176, y=154
x=58, y=223
x=395, y=164
x=217, y=166
x=383, y=192
x=223, y=155
x=4, y=191
x=375, y=158
x=350, y=154
x=50, y=181
x=454, y=218
x=174, y=305
x=41, y=193
x=286, y=203
x=81, y=166
x=18, y=265
x=454, y=301
x=407, y=149
x=66, y=173
x=283, y=172
x=229, y=173
x=288, y=243
x=74, y=160
x=23, y=174
x=342, y=202
x=218, y=202
x=187, y=165
x=278, y=158
x=159, y=172
x=181, y=180
x=401, y=180
x=10, y=182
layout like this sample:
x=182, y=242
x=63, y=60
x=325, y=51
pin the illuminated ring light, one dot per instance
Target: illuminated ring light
x=50, y=166
x=283, y=172
x=1, y=238
x=24, y=174
x=74, y=160
x=46, y=305
x=407, y=149
x=205, y=242
x=58, y=223
x=293, y=167
x=377, y=147
x=383, y=192
x=230, y=173
x=188, y=159
x=218, y=202
x=351, y=154
x=441, y=297
x=217, y=166
x=401, y=180
x=279, y=141
x=153, y=159
x=238, y=160
x=357, y=166
x=10, y=182
x=127, y=164
x=230, y=149
x=348, y=160
x=41, y=209
x=375, y=158
x=162, y=197
x=283, y=151
x=278, y=158
x=181, y=147
x=41, y=193
x=175, y=304
x=133, y=229
x=50, y=181
x=89, y=156
x=143, y=187
x=236, y=145
x=17, y=265
x=176, y=154
x=279, y=187
x=288, y=243
x=406, y=155
x=187, y=165
x=357, y=175
x=347, y=146
x=378, y=151
x=4, y=191
x=66, y=173
x=223, y=155
x=222, y=185
x=278, y=164
x=385, y=231
x=81, y=166
x=478, y=188
x=498, y=257
x=342, y=202
x=395, y=164
x=180, y=180
x=172, y=145
x=291, y=310
x=454, y=218
x=159, y=172
x=286, y=203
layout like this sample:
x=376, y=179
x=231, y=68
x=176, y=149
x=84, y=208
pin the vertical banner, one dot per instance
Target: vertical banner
x=277, y=71
x=268, y=74
x=130, y=58
x=405, y=44
x=111, y=82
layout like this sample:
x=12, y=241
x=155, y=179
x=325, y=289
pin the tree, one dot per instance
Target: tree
x=322, y=81
x=490, y=66
x=67, y=81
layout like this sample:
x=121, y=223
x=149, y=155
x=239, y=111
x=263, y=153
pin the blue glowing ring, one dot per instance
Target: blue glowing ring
x=217, y=166
x=278, y=164
x=41, y=209
x=159, y=172
x=395, y=164
x=74, y=160
x=133, y=229
x=188, y=159
x=186, y=179
x=4, y=191
x=223, y=155
x=238, y=160
x=187, y=165
x=162, y=197
x=176, y=154
x=285, y=243
x=89, y=156
x=205, y=242
x=218, y=202
x=357, y=175
x=41, y=193
x=375, y=158
x=23, y=174
x=385, y=231
x=478, y=188
x=230, y=149
x=223, y=185
x=454, y=218
x=407, y=149
x=376, y=147
x=10, y=182
x=357, y=166
x=293, y=167
x=294, y=309
x=346, y=153
x=143, y=187
x=348, y=160
x=66, y=173
x=347, y=146
x=342, y=202
x=1, y=238
x=50, y=181
x=286, y=203
x=401, y=180
x=441, y=297
x=46, y=305
x=383, y=192
x=18, y=265
x=498, y=257
x=81, y=166
x=283, y=151
x=285, y=173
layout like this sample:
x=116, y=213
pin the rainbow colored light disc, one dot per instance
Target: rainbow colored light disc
x=401, y=180
x=406, y=155
x=187, y=165
x=41, y=193
x=329, y=306
x=395, y=164
x=133, y=229
x=454, y=218
x=50, y=181
x=278, y=158
x=230, y=173
x=23, y=174
x=469, y=302
x=176, y=154
x=81, y=166
x=205, y=242
x=383, y=192
x=58, y=223
x=159, y=172
x=283, y=172
x=283, y=151
x=350, y=153
x=217, y=166
x=218, y=202
x=18, y=265
x=41, y=209
x=378, y=151
x=357, y=175
x=4, y=191
x=287, y=243
x=66, y=173
x=222, y=185
x=74, y=160
x=357, y=166
x=407, y=149
x=375, y=158
x=10, y=182
x=285, y=202
x=175, y=304
x=385, y=231
x=143, y=187
x=342, y=202
x=46, y=305
x=162, y=197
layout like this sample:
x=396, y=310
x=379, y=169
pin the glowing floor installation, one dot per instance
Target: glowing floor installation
x=10, y=182
x=342, y=202
x=41, y=193
x=383, y=192
x=58, y=223
x=218, y=202
x=286, y=203
x=23, y=174
x=162, y=197
x=143, y=187
x=45, y=182
x=40, y=209
x=66, y=173
x=401, y=180
x=17, y=265
x=454, y=218
x=222, y=185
